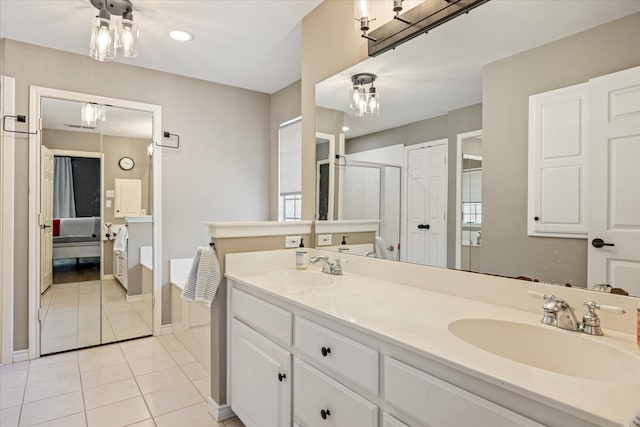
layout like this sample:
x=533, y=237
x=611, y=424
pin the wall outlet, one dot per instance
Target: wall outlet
x=324, y=239
x=107, y=203
x=292, y=241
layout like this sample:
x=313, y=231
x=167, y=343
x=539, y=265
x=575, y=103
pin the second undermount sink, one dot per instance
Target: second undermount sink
x=568, y=353
x=303, y=277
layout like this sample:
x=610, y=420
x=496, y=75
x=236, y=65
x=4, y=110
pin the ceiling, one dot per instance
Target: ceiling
x=65, y=115
x=252, y=44
x=442, y=71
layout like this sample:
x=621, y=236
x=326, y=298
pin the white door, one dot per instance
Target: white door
x=426, y=205
x=614, y=181
x=128, y=197
x=260, y=379
x=46, y=220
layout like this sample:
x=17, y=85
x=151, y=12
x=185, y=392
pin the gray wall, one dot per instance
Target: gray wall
x=448, y=126
x=113, y=148
x=221, y=173
x=507, y=85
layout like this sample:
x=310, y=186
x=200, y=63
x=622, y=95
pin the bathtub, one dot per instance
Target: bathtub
x=190, y=321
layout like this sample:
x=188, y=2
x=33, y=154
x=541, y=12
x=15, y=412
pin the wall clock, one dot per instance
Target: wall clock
x=126, y=163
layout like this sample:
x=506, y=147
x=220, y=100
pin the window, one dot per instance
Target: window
x=290, y=171
x=471, y=213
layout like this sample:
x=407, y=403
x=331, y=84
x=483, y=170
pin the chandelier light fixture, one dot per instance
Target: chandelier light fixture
x=109, y=38
x=365, y=100
x=91, y=113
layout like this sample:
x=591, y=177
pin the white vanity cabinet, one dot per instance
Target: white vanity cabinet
x=290, y=367
x=261, y=372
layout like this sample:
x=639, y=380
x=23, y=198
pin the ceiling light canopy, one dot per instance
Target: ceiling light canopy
x=182, y=36
x=109, y=38
x=365, y=100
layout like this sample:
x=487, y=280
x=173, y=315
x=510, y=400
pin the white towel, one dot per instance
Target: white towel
x=204, y=277
x=381, y=249
x=120, y=244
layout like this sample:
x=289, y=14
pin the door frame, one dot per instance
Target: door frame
x=7, y=190
x=332, y=172
x=35, y=125
x=404, y=193
x=460, y=138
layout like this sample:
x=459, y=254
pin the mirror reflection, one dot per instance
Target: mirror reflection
x=476, y=193
x=96, y=284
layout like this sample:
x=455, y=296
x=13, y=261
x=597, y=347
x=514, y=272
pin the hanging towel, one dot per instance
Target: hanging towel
x=204, y=277
x=120, y=244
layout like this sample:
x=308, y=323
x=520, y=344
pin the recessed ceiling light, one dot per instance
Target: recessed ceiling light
x=345, y=128
x=182, y=36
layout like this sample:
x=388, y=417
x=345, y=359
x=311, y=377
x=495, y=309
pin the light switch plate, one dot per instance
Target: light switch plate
x=324, y=239
x=110, y=193
x=107, y=203
x=292, y=241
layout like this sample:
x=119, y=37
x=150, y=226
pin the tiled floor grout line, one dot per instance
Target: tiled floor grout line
x=84, y=404
x=135, y=379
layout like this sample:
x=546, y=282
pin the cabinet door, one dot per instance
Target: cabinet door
x=128, y=198
x=558, y=149
x=389, y=421
x=322, y=402
x=260, y=379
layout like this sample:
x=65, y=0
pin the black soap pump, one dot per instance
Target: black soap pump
x=302, y=256
x=343, y=248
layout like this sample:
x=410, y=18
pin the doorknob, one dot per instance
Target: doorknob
x=598, y=243
x=43, y=226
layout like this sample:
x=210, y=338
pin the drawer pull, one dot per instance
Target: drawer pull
x=282, y=377
x=324, y=413
x=325, y=351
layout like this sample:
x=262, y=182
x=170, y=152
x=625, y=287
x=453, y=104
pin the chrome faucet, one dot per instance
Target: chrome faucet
x=327, y=267
x=559, y=313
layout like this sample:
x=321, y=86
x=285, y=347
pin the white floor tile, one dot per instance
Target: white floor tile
x=233, y=422
x=194, y=371
x=105, y=375
x=159, y=380
x=106, y=394
x=145, y=423
x=56, y=358
x=55, y=387
x=13, y=367
x=171, y=399
x=12, y=397
x=100, y=357
x=183, y=357
x=75, y=420
x=151, y=364
x=149, y=349
x=119, y=414
x=170, y=343
x=196, y=415
x=204, y=386
x=51, y=408
x=9, y=417
x=54, y=371
x=13, y=379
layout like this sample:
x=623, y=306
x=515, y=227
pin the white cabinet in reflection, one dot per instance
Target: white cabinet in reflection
x=127, y=198
x=558, y=149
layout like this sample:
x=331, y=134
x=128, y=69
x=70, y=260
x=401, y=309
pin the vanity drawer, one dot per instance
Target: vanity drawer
x=390, y=421
x=343, y=355
x=262, y=316
x=321, y=401
x=439, y=403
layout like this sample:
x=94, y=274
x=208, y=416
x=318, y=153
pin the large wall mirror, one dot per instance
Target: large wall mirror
x=95, y=277
x=444, y=164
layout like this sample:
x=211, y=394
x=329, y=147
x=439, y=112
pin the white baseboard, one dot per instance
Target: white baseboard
x=166, y=329
x=20, y=356
x=108, y=277
x=220, y=412
x=135, y=298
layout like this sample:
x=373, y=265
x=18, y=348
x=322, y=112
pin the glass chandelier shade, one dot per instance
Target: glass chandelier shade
x=127, y=37
x=365, y=100
x=102, y=44
x=91, y=113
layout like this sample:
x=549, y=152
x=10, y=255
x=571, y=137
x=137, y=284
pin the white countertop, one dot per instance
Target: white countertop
x=417, y=320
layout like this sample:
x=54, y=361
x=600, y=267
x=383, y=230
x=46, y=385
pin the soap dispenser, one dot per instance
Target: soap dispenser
x=302, y=256
x=343, y=248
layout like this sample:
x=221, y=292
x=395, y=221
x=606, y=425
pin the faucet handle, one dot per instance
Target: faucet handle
x=608, y=308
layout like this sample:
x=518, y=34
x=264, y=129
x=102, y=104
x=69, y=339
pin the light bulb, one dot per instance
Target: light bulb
x=128, y=34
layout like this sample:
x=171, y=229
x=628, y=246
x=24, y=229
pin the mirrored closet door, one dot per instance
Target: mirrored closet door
x=96, y=230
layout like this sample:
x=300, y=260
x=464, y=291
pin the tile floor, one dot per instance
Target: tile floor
x=71, y=315
x=145, y=382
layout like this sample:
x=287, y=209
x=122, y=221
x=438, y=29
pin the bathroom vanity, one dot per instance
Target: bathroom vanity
x=404, y=345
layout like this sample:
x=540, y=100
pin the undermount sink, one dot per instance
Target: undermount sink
x=568, y=353
x=303, y=277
